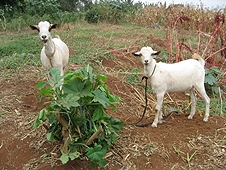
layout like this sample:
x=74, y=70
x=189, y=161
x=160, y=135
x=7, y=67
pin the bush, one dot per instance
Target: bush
x=212, y=80
x=68, y=17
x=42, y=7
x=93, y=15
x=108, y=11
x=77, y=114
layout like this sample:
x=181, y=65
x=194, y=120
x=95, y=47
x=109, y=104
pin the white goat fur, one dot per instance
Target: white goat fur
x=177, y=77
x=55, y=52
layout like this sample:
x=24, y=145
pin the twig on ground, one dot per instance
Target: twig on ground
x=27, y=134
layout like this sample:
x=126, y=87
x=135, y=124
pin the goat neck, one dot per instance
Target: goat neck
x=50, y=48
x=149, y=68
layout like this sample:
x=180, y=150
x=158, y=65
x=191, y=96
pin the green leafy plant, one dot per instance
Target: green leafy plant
x=42, y=7
x=93, y=15
x=108, y=11
x=211, y=79
x=77, y=114
x=217, y=106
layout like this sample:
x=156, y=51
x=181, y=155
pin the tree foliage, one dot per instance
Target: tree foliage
x=108, y=11
x=75, y=5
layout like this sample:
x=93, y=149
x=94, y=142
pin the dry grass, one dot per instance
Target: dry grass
x=190, y=17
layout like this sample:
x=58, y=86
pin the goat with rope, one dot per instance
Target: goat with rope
x=178, y=77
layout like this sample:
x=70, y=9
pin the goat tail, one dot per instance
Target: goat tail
x=57, y=36
x=199, y=58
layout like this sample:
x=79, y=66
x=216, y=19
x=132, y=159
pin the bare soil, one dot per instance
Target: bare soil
x=177, y=143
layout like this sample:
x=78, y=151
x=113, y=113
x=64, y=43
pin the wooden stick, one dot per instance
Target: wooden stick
x=94, y=136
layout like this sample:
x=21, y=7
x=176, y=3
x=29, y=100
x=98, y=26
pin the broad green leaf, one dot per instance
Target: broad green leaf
x=87, y=73
x=83, y=73
x=50, y=137
x=73, y=87
x=103, y=89
x=55, y=75
x=78, y=87
x=74, y=155
x=210, y=79
x=101, y=97
x=46, y=91
x=87, y=90
x=40, y=118
x=216, y=90
x=41, y=85
x=64, y=158
x=114, y=99
x=96, y=154
x=36, y=123
x=116, y=123
x=69, y=101
x=56, y=79
x=98, y=114
x=42, y=115
x=102, y=77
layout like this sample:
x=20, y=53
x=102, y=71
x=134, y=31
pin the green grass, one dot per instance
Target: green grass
x=216, y=106
x=20, y=45
x=18, y=49
x=91, y=42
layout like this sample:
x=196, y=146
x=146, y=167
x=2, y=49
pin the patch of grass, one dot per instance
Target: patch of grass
x=19, y=50
x=19, y=44
x=93, y=41
x=16, y=61
x=88, y=42
x=217, y=107
x=133, y=77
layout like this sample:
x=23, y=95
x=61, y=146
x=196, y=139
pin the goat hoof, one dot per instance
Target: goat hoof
x=154, y=125
x=205, y=119
x=190, y=117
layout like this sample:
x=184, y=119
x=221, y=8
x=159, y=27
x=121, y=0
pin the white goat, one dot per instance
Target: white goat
x=177, y=77
x=55, y=52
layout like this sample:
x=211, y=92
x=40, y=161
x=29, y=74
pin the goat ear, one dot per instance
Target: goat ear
x=137, y=54
x=52, y=26
x=34, y=27
x=156, y=52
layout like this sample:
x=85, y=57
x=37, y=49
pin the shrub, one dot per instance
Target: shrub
x=42, y=7
x=15, y=61
x=93, y=15
x=212, y=80
x=108, y=11
x=77, y=114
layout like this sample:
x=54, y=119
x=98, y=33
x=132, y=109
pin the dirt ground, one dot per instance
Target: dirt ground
x=176, y=144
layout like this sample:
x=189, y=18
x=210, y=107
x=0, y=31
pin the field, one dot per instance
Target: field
x=177, y=144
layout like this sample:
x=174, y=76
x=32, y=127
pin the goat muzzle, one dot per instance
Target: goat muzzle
x=44, y=41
